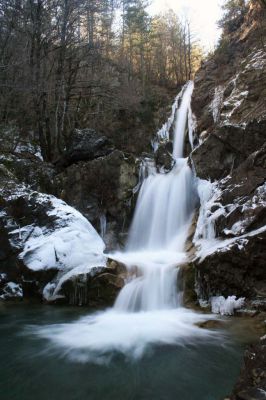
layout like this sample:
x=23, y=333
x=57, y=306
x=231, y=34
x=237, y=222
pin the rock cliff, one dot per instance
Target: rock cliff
x=230, y=108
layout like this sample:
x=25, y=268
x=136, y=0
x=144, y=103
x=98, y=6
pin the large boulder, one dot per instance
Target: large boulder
x=99, y=287
x=42, y=239
x=102, y=190
x=85, y=145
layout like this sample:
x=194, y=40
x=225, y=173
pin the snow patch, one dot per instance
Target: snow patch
x=226, y=306
x=218, y=245
x=256, y=60
x=205, y=239
x=11, y=290
x=217, y=102
x=192, y=124
x=209, y=194
x=73, y=242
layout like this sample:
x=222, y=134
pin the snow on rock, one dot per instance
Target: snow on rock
x=255, y=60
x=192, y=124
x=247, y=212
x=226, y=306
x=52, y=290
x=73, y=242
x=3, y=277
x=11, y=290
x=208, y=247
x=46, y=234
x=232, y=103
x=27, y=147
x=217, y=102
x=210, y=210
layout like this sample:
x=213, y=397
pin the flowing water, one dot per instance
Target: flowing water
x=33, y=370
x=148, y=346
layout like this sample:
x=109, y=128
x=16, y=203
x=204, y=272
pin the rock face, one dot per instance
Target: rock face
x=230, y=239
x=236, y=265
x=229, y=103
x=252, y=381
x=226, y=148
x=101, y=188
x=163, y=156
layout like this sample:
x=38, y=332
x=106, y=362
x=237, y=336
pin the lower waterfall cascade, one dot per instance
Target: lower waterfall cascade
x=148, y=310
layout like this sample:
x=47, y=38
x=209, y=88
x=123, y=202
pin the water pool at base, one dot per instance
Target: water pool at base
x=205, y=370
x=148, y=346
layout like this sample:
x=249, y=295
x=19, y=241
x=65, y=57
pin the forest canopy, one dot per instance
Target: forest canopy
x=67, y=63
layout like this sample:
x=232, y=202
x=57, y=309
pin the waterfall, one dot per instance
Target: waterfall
x=103, y=223
x=163, y=209
x=159, y=230
x=148, y=310
x=181, y=122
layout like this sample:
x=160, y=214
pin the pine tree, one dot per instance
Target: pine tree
x=234, y=12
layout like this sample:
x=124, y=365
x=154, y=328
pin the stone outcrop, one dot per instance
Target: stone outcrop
x=101, y=187
x=94, y=289
x=226, y=148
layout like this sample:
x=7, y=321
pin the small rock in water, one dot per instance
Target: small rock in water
x=211, y=324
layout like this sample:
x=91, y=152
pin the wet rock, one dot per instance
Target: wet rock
x=117, y=267
x=99, y=289
x=251, y=384
x=211, y=324
x=163, y=156
x=188, y=285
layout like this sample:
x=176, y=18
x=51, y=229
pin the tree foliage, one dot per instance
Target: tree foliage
x=67, y=63
x=234, y=12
